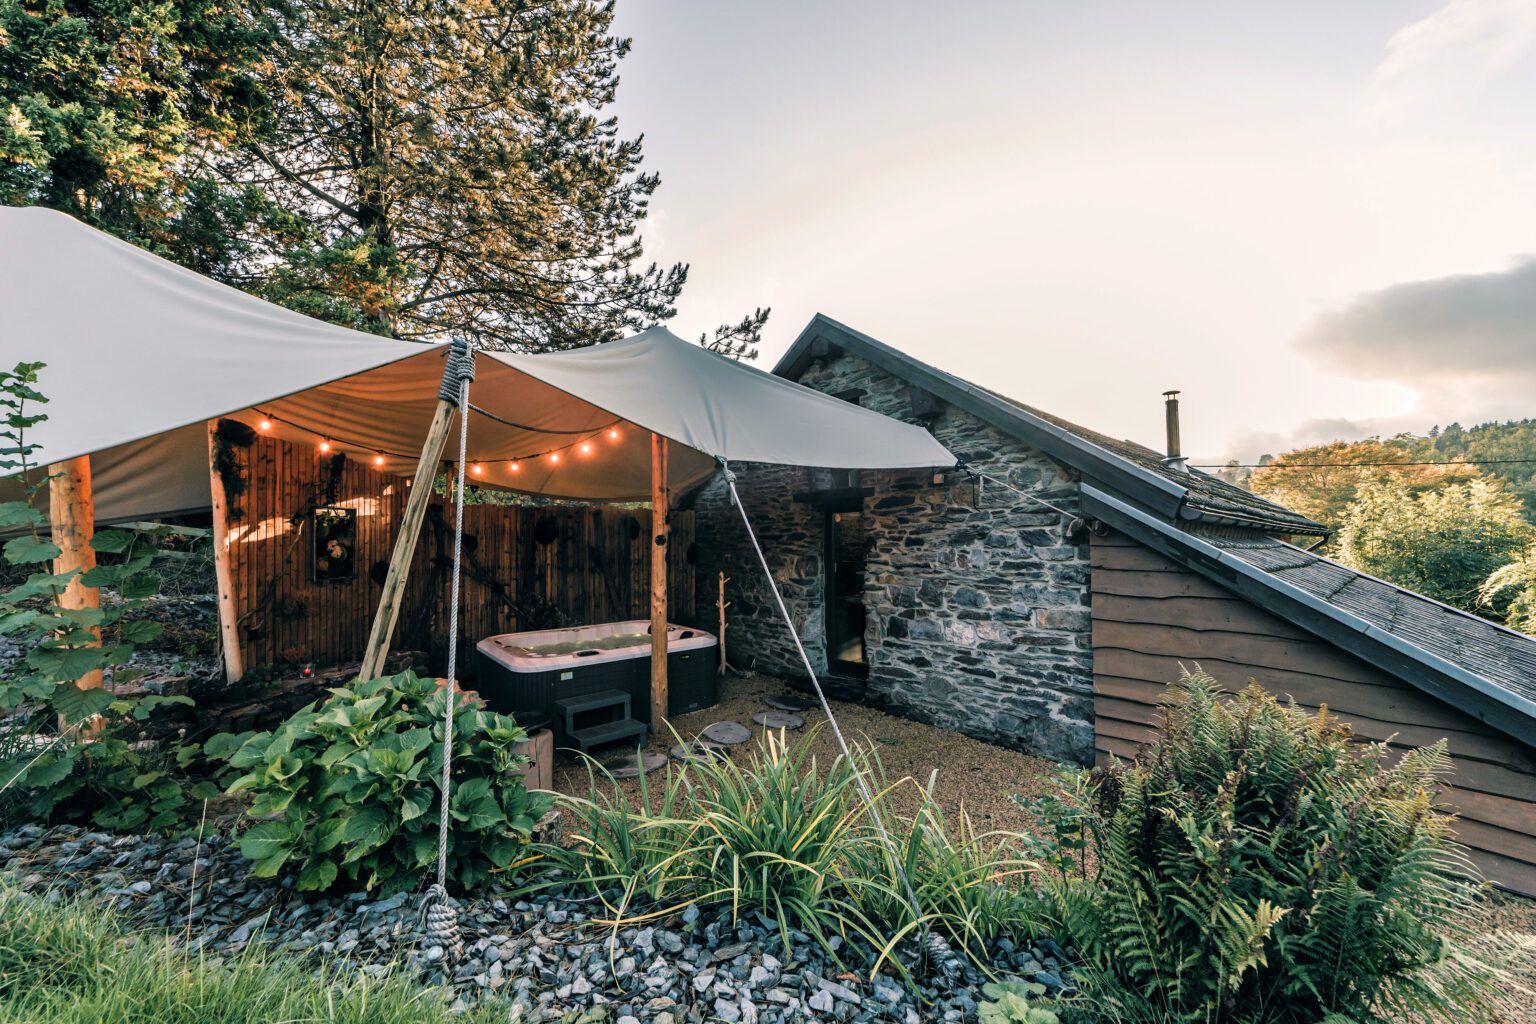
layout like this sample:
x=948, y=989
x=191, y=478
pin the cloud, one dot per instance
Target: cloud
x=1468, y=327
x=1452, y=54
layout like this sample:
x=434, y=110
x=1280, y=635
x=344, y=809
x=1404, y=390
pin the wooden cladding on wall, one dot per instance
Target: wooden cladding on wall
x=1152, y=616
x=525, y=567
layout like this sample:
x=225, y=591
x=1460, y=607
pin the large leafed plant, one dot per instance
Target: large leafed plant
x=349, y=789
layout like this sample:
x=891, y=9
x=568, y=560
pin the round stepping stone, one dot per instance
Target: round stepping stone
x=630, y=766
x=696, y=752
x=726, y=734
x=778, y=720
x=789, y=702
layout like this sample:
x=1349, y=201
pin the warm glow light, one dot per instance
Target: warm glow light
x=378, y=460
x=554, y=456
x=586, y=447
x=476, y=469
x=517, y=467
x=325, y=446
x=264, y=425
x=613, y=433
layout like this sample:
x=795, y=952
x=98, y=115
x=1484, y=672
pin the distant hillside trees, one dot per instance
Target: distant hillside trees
x=1443, y=543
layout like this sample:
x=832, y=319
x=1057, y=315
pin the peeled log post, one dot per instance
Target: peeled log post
x=405, y=544
x=72, y=516
x=661, y=502
x=229, y=621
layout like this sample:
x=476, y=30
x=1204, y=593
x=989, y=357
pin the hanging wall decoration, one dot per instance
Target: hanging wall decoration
x=335, y=536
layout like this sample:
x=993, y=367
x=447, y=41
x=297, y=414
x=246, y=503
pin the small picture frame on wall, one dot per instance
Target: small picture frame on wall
x=335, y=545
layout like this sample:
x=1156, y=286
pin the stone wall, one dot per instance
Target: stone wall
x=977, y=598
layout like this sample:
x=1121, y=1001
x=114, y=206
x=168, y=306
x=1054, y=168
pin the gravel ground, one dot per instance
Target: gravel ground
x=980, y=778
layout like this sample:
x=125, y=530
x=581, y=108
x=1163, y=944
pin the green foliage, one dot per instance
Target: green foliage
x=1512, y=588
x=780, y=834
x=102, y=101
x=1008, y=1003
x=350, y=789
x=1256, y=866
x=71, y=754
x=1442, y=543
x=68, y=963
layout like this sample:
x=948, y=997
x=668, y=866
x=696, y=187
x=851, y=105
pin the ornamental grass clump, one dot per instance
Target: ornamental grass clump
x=1256, y=866
x=779, y=834
x=349, y=789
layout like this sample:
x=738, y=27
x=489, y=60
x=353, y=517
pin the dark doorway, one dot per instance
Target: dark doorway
x=845, y=614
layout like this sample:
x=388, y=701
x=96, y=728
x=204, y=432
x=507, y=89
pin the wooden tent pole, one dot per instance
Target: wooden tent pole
x=405, y=544
x=723, y=604
x=72, y=516
x=661, y=501
x=223, y=576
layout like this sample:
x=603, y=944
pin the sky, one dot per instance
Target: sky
x=1316, y=219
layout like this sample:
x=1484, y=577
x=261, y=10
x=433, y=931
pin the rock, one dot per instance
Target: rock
x=778, y=720
x=728, y=1010
x=726, y=734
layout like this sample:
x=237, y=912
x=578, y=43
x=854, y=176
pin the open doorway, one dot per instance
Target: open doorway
x=844, y=582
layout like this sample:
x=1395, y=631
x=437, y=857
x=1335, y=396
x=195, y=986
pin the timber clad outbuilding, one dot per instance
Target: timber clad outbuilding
x=1047, y=604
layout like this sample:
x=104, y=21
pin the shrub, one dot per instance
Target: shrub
x=66, y=753
x=777, y=833
x=67, y=963
x=1256, y=866
x=351, y=788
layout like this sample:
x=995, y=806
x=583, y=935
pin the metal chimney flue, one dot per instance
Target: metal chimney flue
x=1175, y=459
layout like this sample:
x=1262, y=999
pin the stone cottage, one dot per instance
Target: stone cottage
x=1042, y=596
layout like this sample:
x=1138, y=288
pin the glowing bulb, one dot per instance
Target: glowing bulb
x=517, y=467
x=264, y=425
x=586, y=447
x=554, y=456
x=613, y=433
x=476, y=469
x=378, y=460
x=325, y=446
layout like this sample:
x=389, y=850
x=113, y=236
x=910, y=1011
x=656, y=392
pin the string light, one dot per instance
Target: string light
x=378, y=460
x=325, y=446
x=476, y=469
x=613, y=433
x=516, y=467
x=554, y=456
x=264, y=425
x=586, y=447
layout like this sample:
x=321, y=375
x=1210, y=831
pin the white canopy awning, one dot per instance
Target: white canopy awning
x=141, y=353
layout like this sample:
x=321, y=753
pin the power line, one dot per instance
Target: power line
x=1364, y=465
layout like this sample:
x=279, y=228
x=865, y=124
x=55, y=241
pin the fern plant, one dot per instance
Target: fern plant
x=1255, y=865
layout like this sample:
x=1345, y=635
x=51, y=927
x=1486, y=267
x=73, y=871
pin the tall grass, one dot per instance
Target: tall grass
x=782, y=835
x=67, y=963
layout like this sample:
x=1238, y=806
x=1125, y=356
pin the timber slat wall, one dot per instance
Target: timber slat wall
x=1151, y=616
x=596, y=567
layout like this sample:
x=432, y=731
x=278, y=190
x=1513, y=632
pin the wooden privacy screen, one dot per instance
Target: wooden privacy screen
x=525, y=567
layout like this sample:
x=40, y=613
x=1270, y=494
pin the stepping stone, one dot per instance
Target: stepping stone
x=630, y=766
x=726, y=734
x=789, y=702
x=778, y=720
x=696, y=752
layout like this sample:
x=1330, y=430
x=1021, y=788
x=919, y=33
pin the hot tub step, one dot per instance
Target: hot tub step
x=596, y=736
x=572, y=706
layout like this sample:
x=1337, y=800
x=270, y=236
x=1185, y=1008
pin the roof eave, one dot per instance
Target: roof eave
x=1481, y=698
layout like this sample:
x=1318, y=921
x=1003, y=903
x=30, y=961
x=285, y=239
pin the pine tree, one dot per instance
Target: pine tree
x=104, y=102
x=438, y=170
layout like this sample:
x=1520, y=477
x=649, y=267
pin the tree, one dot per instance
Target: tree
x=1323, y=480
x=1512, y=587
x=1443, y=543
x=444, y=170
x=102, y=102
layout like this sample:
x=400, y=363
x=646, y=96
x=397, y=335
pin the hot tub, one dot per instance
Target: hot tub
x=524, y=674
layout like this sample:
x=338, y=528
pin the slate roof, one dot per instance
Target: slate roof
x=1127, y=467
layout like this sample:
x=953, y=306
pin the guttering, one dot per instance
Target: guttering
x=1485, y=700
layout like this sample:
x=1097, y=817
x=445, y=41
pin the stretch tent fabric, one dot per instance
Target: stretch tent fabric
x=142, y=353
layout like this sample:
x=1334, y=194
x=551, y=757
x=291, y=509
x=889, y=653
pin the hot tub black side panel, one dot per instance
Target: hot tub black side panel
x=692, y=680
x=514, y=693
